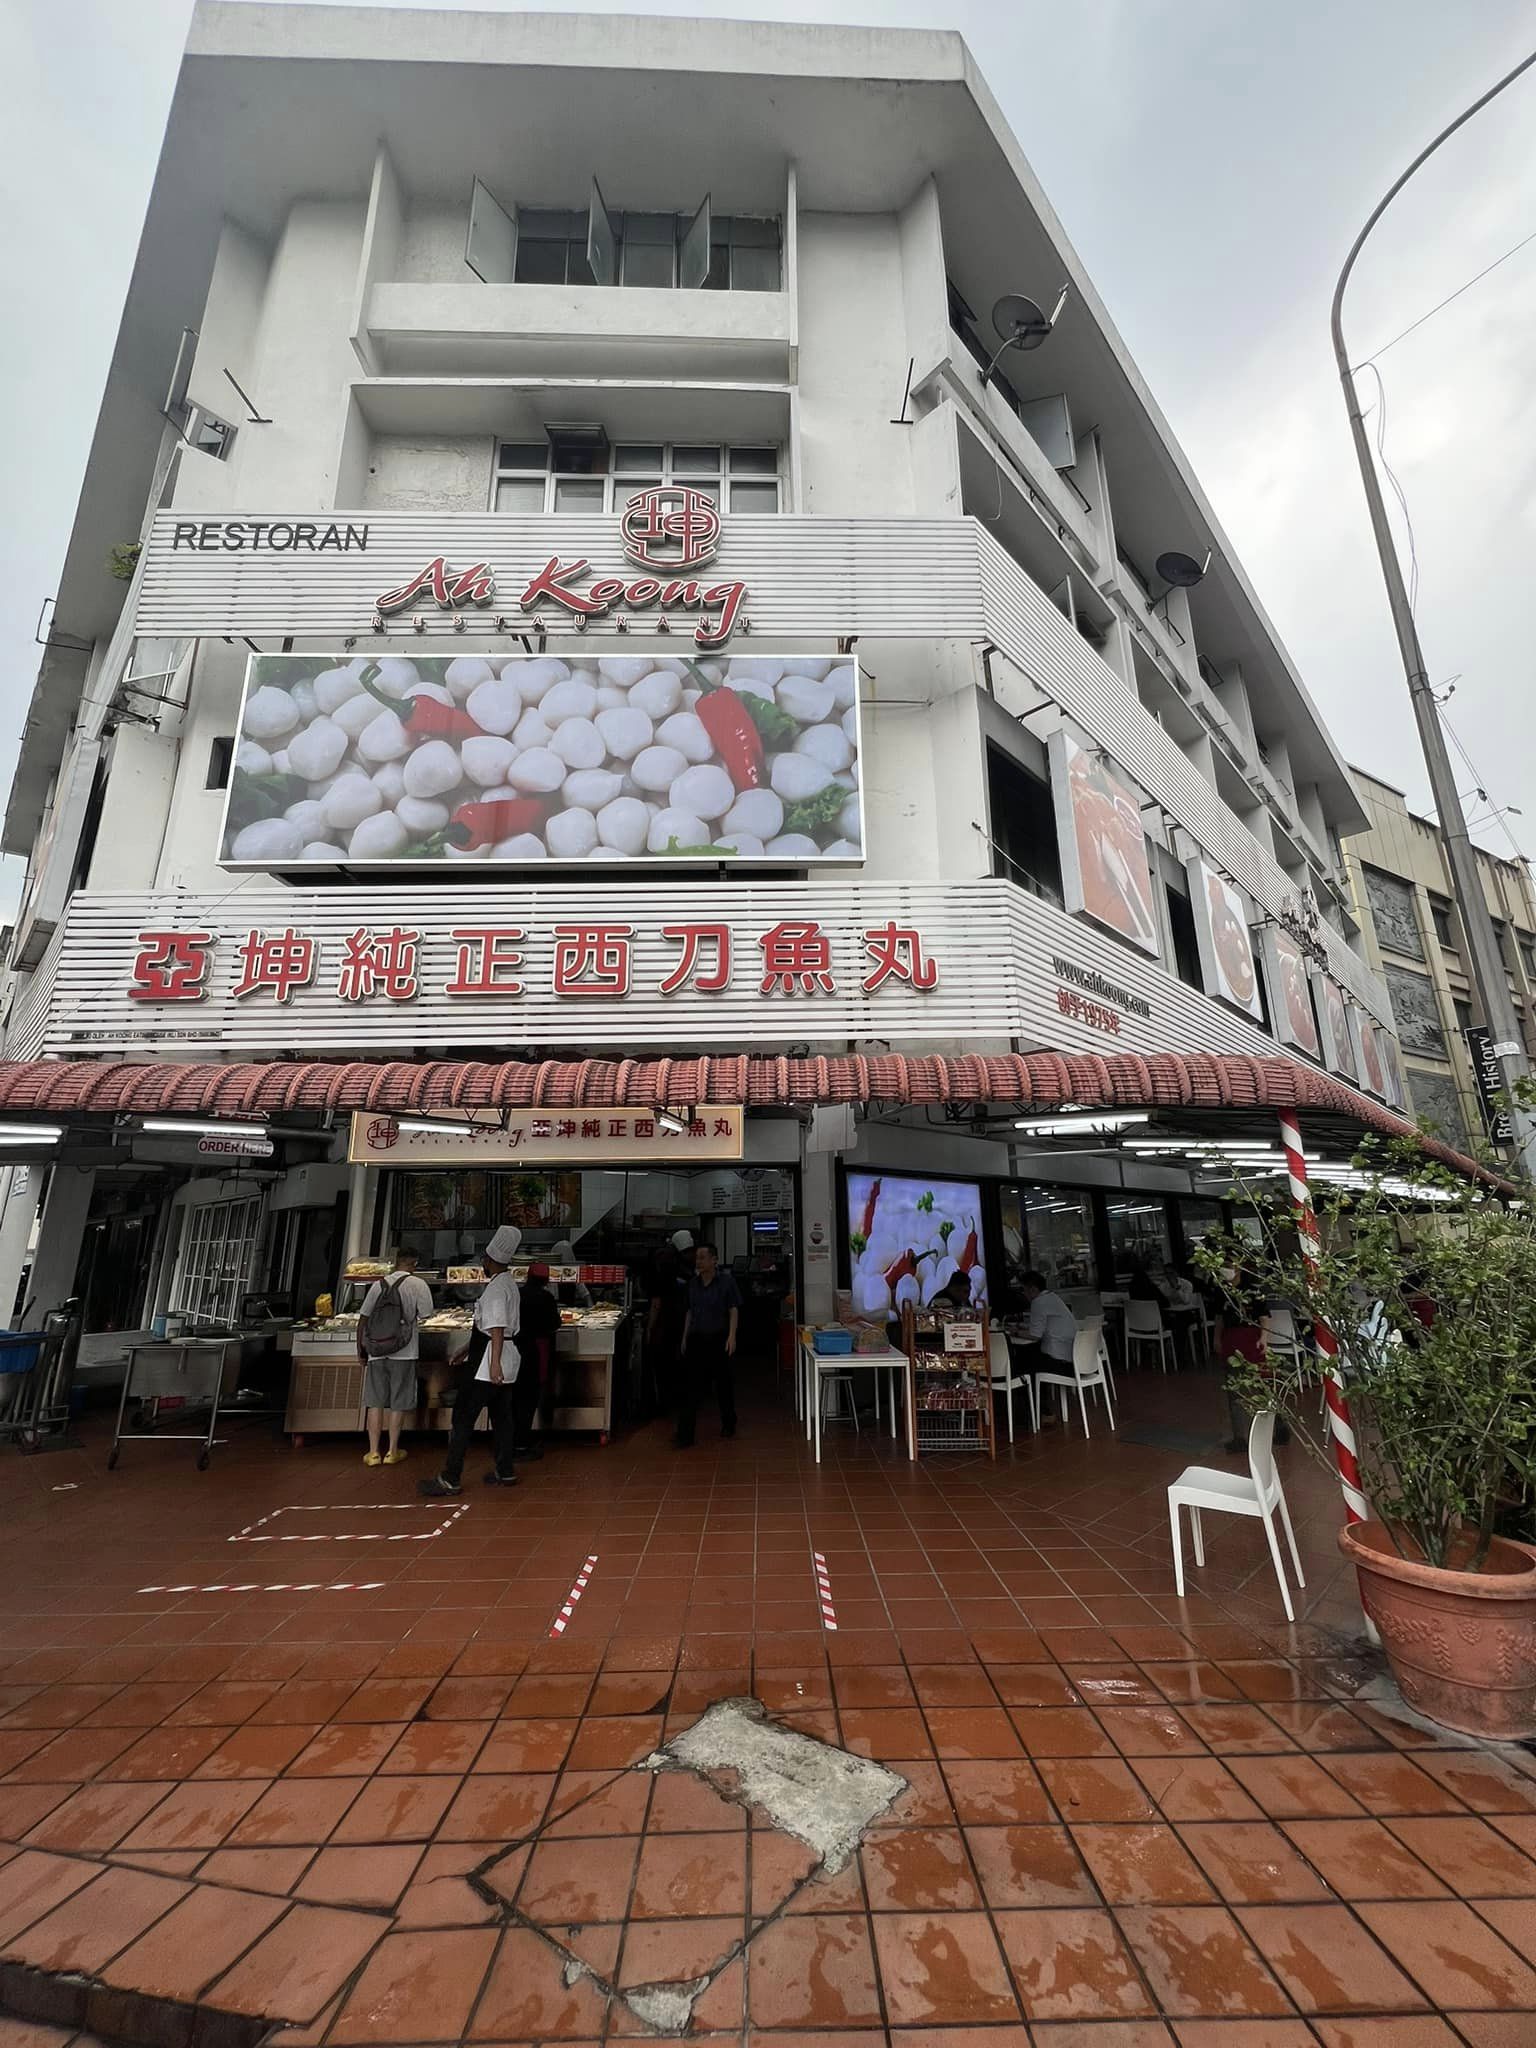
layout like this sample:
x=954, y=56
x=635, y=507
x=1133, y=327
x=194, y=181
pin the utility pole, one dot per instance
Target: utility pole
x=1487, y=962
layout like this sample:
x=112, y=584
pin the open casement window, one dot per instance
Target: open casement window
x=602, y=240
x=694, y=251
x=490, y=245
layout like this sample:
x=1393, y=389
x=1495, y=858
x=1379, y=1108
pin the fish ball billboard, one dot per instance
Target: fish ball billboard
x=392, y=760
x=908, y=1234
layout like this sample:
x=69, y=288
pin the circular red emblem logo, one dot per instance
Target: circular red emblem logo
x=670, y=527
x=383, y=1132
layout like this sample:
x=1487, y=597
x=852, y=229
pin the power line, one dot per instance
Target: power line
x=1500, y=812
x=1440, y=308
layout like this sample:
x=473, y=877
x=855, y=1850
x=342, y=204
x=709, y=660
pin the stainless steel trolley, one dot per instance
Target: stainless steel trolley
x=196, y=1371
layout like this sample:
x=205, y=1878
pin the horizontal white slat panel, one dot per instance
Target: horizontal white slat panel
x=995, y=947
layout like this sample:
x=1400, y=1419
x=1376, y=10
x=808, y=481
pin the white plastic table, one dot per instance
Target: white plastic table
x=814, y=1366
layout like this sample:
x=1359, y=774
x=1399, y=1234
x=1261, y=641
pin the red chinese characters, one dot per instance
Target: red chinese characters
x=797, y=954
x=488, y=956
x=701, y=943
x=379, y=963
x=592, y=959
x=171, y=967
x=897, y=953
x=1099, y=1015
x=280, y=962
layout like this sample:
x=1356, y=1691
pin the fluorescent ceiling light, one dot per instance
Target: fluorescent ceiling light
x=421, y=1123
x=30, y=1134
x=1088, y=1122
x=181, y=1127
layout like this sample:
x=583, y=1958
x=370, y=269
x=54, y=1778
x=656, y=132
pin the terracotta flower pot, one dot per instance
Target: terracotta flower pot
x=1462, y=1645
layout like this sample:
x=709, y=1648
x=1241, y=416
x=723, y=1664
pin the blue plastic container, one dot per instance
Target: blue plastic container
x=833, y=1343
x=19, y=1349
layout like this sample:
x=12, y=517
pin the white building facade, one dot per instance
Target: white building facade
x=660, y=366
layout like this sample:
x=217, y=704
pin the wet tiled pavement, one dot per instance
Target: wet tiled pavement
x=271, y=1748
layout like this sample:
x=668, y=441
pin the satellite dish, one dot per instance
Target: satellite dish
x=1180, y=571
x=1022, y=324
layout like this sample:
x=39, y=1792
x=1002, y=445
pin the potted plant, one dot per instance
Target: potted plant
x=1428, y=1280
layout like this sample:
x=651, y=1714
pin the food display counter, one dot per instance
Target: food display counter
x=325, y=1389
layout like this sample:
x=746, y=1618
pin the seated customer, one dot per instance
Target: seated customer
x=1142, y=1287
x=955, y=1294
x=1052, y=1324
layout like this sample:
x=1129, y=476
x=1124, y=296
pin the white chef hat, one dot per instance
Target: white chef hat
x=504, y=1243
x=564, y=1253
x=682, y=1240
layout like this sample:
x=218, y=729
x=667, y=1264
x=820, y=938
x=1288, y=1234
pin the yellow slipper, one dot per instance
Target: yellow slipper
x=372, y=1458
x=394, y=1457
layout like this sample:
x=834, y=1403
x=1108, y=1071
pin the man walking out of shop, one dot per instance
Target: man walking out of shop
x=389, y=1344
x=709, y=1345
x=488, y=1376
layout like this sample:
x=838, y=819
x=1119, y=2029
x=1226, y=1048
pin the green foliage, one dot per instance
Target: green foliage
x=123, y=559
x=1445, y=1416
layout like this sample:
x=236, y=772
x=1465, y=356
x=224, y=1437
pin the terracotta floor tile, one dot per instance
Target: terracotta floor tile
x=1192, y=1682
x=1328, y=1962
x=1251, y=1862
x=432, y=1746
x=168, y=1752
x=299, y=1965
x=141, y=1706
x=1293, y=1788
x=393, y=1809
x=89, y=1928
x=33, y=1883
x=295, y=1810
x=1494, y=2029
x=1243, y=2034
x=879, y=1685
x=1061, y=1731
x=613, y=1742
x=359, y=1875
x=96, y=1817
x=576, y=1882
x=467, y=1699
x=1486, y=1783
x=1515, y=1919
x=346, y=1751
x=438, y=1896
x=1385, y=1783
x=484, y=1809
x=600, y=1803
x=1236, y=1728
x=74, y=1756
x=258, y=1870
x=952, y=1685
x=257, y=1752
x=1389, y=2030
x=196, y=1942
x=1149, y=1731
x=939, y=1969
x=1199, y=1962
x=1456, y=1957
x=225, y=1703
x=1071, y=1965
x=1095, y=1789
x=666, y=1951
x=908, y=1870
x=417, y=1987
x=1033, y=1685
x=1141, y=1865
x=641, y=1692
x=684, y=1876
x=526, y=1745
x=1362, y=1859
x=813, y=1971
x=1318, y=1725
x=1028, y=1866
x=317, y=1700
x=926, y=1801
x=681, y=1803
x=886, y=1732
x=782, y=1877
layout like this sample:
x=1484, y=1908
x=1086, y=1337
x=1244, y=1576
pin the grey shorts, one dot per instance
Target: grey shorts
x=391, y=1383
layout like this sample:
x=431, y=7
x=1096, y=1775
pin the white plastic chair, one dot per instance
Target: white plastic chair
x=1096, y=1322
x=1088, y=1371
x=1004, y=1376
x=1229, y=1493
x=1144, y=1325
x=1280, y=1335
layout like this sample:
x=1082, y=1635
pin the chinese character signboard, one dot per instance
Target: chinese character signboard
x=1104, y=870
x=385, y=760
x=1227, y=965
x=549, y=1137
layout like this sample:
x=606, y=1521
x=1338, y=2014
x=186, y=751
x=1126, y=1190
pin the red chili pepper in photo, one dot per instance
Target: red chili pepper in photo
x=732, y=728
x=487, y=823
x=970, y=1251
x=868, y=1226
x=904, y=1267
x=425, y=718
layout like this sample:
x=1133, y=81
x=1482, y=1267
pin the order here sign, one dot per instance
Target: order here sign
x=571, y=1137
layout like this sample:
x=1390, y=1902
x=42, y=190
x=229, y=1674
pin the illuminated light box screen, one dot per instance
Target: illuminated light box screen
x=389, y=760
x=906, y=1234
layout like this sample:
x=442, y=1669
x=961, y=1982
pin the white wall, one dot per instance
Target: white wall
x=135, y=808
x=853, y=365
x=435, y=472
x=431, y=249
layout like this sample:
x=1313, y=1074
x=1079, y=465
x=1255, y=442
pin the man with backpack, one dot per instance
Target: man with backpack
x=389, y=1344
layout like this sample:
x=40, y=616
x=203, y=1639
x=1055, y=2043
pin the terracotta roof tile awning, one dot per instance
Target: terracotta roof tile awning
x=1199, y=1082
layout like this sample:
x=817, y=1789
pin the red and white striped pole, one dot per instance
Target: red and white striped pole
x=1340, y=1427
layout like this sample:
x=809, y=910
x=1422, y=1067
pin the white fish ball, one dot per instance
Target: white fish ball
x=319, y=849
x=843, y=849
x=390, y=782
x=534, y=678
x=537, y=772
x=624, y=825
x=309, y=815
x=656, y=768
x=827, y=744
x=658, y=695
x=531, y=730
x=575, y=697
x=348, y=801
x=591, y=788
x=496, y=706
x=333, y=687
x=625, y=730
x=871, y=1296
x=908, y=1289
x=807, y=665
x=380, y=837
x=796, y=776
x=794, y=845
x=465, y=673
x=850, y=724
x=843, y=682
x=356, y=715
x=757, y=811
x=452, y=852
x=420, y=816
x=386, y=739
x=253, y=758
x=850, y=821
x=577, y=740
x=757, y=668
x=570, y=835
x=624, y=670
x=268, y=839
x=524, y=846
x=281, y=765
x=809, y=703
x=610, y=697
x=435, y=691
x=683, y=826
x=708, y=790
x=487, y=759
x=317, y=750
x=270, y=714
x=303, y=694
x=432, y=769
x=744, y=844
x=685, y=731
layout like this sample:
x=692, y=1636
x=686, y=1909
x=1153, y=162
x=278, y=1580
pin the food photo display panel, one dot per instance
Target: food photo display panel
x=907, y=1233
x=1104, y=870
x=390, y=760
x=1373, y=1073
x=1227, y=965
x=1333, y=1022
x=1290, y=992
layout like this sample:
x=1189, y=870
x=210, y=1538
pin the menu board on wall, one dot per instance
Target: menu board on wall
x=1333, y=1027
x=1104, y=870
x=1227, y=965
x=1290, y=993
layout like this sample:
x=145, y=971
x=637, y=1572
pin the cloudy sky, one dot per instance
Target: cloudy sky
x=1234, y=147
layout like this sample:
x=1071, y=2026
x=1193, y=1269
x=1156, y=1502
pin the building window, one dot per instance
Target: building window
x=585, y=474
x=218, y=1251
x=1527, y=947
x=1463, y=1014
x=1186, y=943
x=1444, y=921
x=1023, y=828
x=221, y=756
x=745, y=252
x=963, y=324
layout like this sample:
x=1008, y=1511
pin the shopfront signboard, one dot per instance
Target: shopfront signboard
x=1227, y=965
x=414, y=760
x=1105, y=874
x=687, y=1135
x=1333, y=1028
x=1373, y=1073
x=1290, y=992
x=1491, y=1085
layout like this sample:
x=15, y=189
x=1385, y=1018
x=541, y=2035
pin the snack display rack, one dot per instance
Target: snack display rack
x=949, y=1381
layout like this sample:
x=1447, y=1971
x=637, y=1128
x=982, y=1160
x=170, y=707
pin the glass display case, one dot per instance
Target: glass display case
x=325, y=1390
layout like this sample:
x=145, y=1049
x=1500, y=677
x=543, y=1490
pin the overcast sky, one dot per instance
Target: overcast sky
x=1211, y=159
